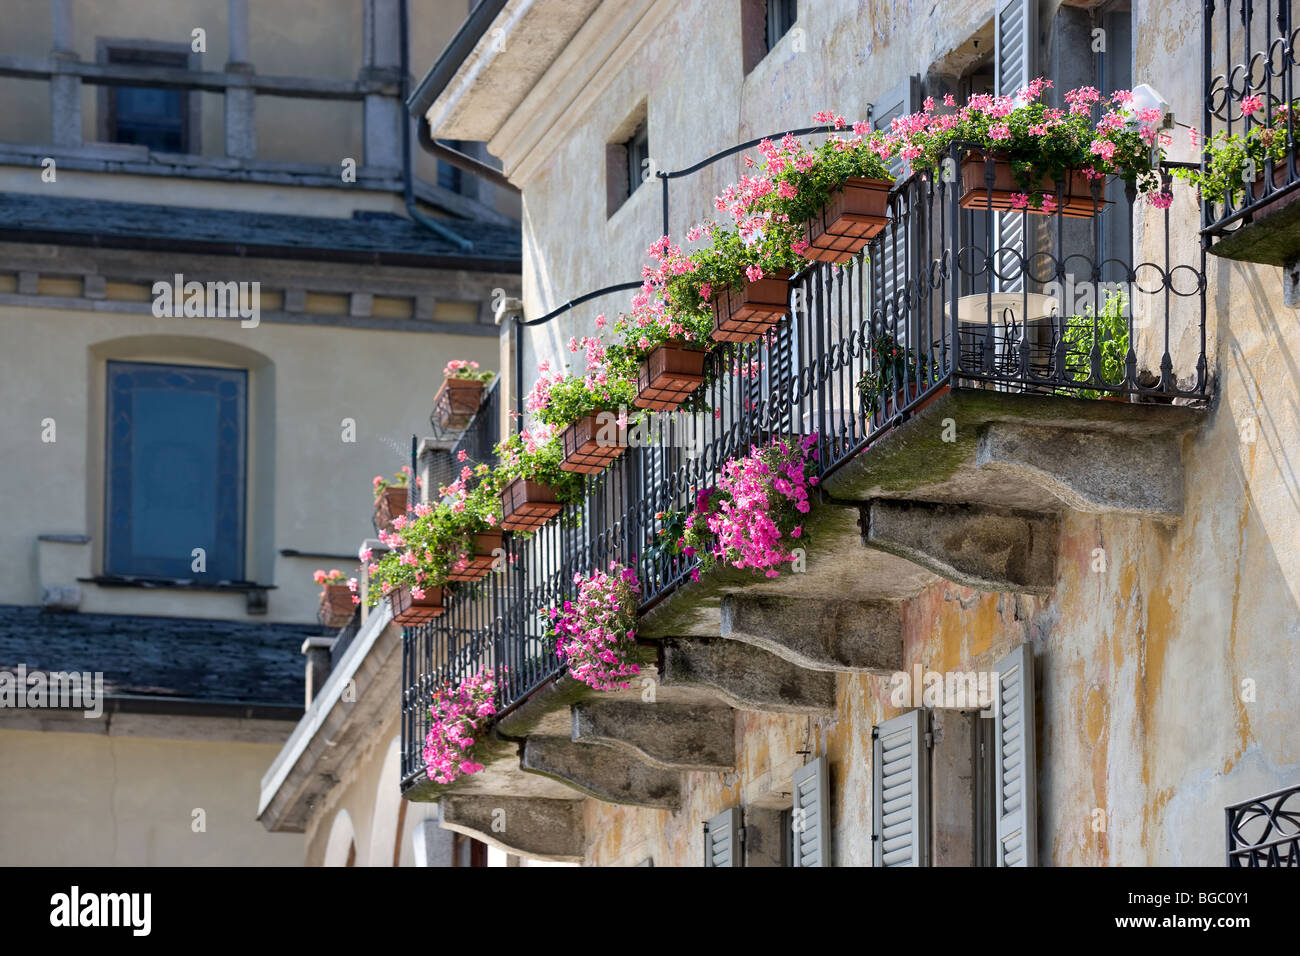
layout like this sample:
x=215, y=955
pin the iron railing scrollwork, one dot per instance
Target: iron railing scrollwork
x=1265, y=832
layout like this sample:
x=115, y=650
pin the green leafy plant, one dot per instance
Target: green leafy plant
x=1235, y=161
x=1107, y=330
x=803, y=180
x=892, y=368
x=535, y=456
x=400, y=480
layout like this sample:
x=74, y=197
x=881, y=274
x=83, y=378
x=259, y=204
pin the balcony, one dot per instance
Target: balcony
x=1050, y=406
x=1263, y=832
x=1250, y=61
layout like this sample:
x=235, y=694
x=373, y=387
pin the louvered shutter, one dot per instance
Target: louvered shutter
x=889, y=274
x=722, y=839
x=1014, y=64
x=1015, y=784
x=811, y=819
x=900, y=801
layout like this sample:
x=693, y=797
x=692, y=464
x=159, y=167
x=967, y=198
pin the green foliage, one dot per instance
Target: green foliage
x=801, y=189
x=521, y=456
x=1108, y=331
x=892, y=367
x=1234, y=162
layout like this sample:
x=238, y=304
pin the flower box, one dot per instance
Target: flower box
x=336, y=606
x=585, y=450
x=856, y=214
x=1281, y=172
x=1270, y=236
x=1076, y=203
x=745, y=315
x=526, y=505
x=486, y=546
x=390, y=503
x=457, y=402
x=668, y=376
x=408, y=610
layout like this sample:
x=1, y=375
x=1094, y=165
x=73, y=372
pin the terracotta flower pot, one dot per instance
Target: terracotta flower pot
x=668, y=376
x=1076, y=203
x=336, y=606
x=484, y=550
x=587, y=445
x=1281, y=170
x=457, y=401
x=390, y=503
x=856, y=214
x=745, y=315
x=407, y=610
x=526, y=505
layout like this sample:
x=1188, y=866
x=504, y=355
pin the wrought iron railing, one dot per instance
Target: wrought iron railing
x=1250, y=51
x=483, y=431
x=971, y=311
x=1265, y=832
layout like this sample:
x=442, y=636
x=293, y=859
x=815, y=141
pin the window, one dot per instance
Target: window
x=781, y=15
x=638, y=158
x=627, y=160
x=176, y=437
x=147, y=116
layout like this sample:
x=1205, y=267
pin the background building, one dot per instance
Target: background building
x=173, y=479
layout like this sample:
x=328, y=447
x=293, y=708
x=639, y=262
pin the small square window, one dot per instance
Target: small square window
x=638, y=158
x=781, y=15
x=627, y=162
x=146, y=116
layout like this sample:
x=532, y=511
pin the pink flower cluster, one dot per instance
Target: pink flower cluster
x=456, y=366
x=596, y=632
x=752, y=513
x=459, y=714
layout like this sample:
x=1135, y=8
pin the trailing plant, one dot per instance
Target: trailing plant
x=458, y=714
x=467, y=370
x=535, y=455
x=891, y=368
x=797, y=181
x=1107, y=330
x=595, y=633
x=1237, y=160
x=558, y=399
x=1039, y=141
x=753, y=516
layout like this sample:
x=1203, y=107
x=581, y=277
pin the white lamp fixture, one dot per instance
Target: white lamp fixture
x=1146, y=97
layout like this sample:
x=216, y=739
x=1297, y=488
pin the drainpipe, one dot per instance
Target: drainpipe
x=408, y=174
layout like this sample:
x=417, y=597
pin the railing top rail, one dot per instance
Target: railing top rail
x=1286, y=791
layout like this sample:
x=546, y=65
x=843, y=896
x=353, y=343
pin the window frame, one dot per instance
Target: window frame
x=164, y=54
x=112, y=566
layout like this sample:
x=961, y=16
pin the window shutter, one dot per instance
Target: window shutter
x=722, y=839
x=811, y=821
x=900, y=781
x=1015, y=779
x=891, y=254
x=1014, y=65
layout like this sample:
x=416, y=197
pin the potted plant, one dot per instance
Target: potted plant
x=460, y=394
x=533, y=488
x=390, y=498
x=893, y=370
x=1235, y=162
x=1106, y=330
x=590, y=411
x=595, y=632
x=336, y=598
x=1043, y=158
x=839, y=191
x=664, y=352
x=740, y=280
x=754, y=515
x=473, y=525
x=458, y=713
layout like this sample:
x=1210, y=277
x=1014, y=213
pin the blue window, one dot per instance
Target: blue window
x=176, y=451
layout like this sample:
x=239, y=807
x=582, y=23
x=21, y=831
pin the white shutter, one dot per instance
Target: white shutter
x=900, y=799
x=890, y=273
x=1014, y=65
x=811, y=819
x=722, y=839
x=1015, y=783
